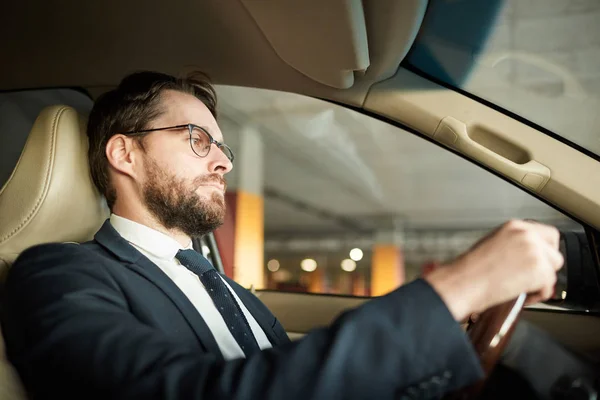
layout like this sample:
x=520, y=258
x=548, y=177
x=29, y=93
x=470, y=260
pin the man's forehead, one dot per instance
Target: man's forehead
x=183, y=108
x=177, y=103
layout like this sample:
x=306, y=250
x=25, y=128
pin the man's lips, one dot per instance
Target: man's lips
x=215, y=181
x=215, y=185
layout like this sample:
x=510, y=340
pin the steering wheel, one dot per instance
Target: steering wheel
x=489, y=335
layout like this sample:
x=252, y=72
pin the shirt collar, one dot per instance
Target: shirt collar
x=150, y=240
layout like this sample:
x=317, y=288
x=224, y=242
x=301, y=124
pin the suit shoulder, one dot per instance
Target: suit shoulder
x=51, y=251
x=51, y=256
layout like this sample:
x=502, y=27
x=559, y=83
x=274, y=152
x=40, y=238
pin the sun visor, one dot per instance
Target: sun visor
x=326, y=41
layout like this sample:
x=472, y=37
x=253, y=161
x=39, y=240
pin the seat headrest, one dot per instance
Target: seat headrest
x=50, y=196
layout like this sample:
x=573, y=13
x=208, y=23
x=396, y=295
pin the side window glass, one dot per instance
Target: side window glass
x=355, y=206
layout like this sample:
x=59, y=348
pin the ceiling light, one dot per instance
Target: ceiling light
x=273, y=265
x=348, y=265
x=308, y=265
x=356, y=254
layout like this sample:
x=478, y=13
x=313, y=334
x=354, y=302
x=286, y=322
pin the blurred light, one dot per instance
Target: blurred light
x=273, y=265
x=205, y=250
x=356, y=254
x=348, y=265
x=308, y=265
x=563, y=294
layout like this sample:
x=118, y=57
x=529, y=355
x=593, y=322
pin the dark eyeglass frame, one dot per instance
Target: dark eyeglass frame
x=190, y=128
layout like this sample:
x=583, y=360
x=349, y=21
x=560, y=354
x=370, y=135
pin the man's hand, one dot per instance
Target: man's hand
x=519, y=257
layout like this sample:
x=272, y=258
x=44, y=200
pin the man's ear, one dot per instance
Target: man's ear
x=121, y=153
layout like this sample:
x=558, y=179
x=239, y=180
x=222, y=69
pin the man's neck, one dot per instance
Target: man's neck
x=144, y=217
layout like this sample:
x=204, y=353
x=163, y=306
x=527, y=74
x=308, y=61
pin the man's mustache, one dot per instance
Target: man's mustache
x=210, y=178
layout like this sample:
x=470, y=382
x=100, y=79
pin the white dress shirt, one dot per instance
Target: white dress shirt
x=161, y=250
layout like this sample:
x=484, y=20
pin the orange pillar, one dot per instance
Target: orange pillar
x=387, y=269
x=248, y=261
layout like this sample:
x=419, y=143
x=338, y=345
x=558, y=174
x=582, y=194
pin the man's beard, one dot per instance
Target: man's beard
x=176, y=205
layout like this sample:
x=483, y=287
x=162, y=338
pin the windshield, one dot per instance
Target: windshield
x=539, y=59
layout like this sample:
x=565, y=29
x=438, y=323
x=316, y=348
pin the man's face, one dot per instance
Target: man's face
x=182, y=190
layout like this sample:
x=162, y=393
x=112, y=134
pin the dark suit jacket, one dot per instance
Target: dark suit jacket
x=100, y=320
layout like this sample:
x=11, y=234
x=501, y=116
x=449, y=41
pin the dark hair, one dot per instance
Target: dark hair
x=131, y=107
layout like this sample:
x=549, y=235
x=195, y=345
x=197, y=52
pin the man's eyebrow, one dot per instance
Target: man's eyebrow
x=207, y=129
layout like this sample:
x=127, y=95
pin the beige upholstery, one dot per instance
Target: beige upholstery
x=48, y=198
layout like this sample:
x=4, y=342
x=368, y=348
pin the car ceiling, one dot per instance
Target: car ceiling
x=335, y=51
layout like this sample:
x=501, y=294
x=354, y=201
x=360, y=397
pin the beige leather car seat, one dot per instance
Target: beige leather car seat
x=48, y=198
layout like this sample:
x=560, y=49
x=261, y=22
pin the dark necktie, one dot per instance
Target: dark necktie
x=222, y=298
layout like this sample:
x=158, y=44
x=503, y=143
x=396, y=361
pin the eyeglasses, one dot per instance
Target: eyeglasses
x=200, y=140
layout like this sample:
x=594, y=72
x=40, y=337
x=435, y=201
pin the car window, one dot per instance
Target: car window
x=538, y=59
x=18, y=112
x=350, y=200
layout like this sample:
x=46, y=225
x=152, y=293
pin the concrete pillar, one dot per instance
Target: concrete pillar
x=241, y=238
x=387, y=263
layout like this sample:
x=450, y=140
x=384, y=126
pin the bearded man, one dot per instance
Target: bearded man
x=136, y=313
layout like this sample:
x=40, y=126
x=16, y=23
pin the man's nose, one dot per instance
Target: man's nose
x=219, y=163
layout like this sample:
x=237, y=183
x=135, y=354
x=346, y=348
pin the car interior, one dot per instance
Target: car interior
x=301, y=73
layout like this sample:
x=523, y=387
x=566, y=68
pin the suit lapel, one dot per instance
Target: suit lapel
x=110, y=239
x=264, y=320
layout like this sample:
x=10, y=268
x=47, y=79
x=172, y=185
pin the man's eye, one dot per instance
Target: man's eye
x=201, y=144
x=198, y=141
